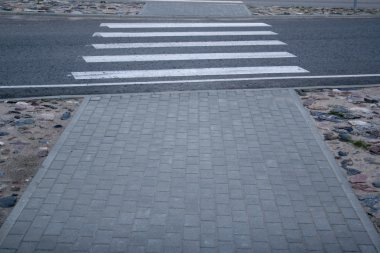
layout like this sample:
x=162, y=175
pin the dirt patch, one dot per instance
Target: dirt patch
x=301, y=10
x=349, y=120
x=28, y=131
x=71, y=7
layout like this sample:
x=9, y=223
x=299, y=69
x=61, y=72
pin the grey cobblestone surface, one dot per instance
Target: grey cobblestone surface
x=208, y=171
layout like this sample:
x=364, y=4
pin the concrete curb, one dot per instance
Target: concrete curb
x=367, y=223
x=138, y=16
x=15, y=213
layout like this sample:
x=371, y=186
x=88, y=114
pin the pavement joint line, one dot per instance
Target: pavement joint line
x=368, y=225
x=15, y=213
x=186, y=81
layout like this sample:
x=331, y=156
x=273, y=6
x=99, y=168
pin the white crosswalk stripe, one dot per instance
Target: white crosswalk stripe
x=178, y=34
x=182, y=57
x=233, y=51
x=180, y=25
x=190, y=44
x=188, y=72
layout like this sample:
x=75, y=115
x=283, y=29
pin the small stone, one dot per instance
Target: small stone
x=342, y=153
x=15, y=188
x=50, y=106
x=371, y=100
x=46, y=116
x=375, y=149
x=352, y=171
x=330, y=136
x=346, y=137
x=358, y=123
x=43, y=141
x=43, y=151
x=345, y=163
x=371, y=201
x=1, y=143
x=2, y=133
x=65, y=116
x=14, y=112
x=376, y=184
x=58, y=126
x=8, y=201
x=20, y=106
x=22, y=122
x=359, y=178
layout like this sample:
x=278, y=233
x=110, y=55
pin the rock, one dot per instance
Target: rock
x=2, y=133
x=355, y=99
x=371, y=201
x=58, y=126
x=371, y=160
x=43, y=151
x=371, y=100
x=65, y=116
x=346, y=137
x=375, y=149
x=22, y=122
x=345, y=163
x=20, y=106
x=14, y=112
x=15, y=188
x=43, y=141
x=358, y=123
x=8, y=201
x=352, y=171
x=50, y=106
x=339, y=109
x=322, y=116
x=1, y=143
x=359, y=178
x=308, y=102
x=361, y=110
x=318, y=107
x=376, y=184
x=342, y=153
x=46, y=116
x=330, y=136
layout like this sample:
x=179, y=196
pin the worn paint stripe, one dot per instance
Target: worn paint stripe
x=190, y=44
x=180, y=25
x=188, y=72
x=179, y=34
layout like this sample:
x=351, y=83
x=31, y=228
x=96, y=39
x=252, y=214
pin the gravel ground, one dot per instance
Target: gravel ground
x=71, y=7
x=299, y=10
x=28, y=130
x=349, y=120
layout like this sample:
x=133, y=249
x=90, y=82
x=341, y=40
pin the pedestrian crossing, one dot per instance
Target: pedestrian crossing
x=186, y=51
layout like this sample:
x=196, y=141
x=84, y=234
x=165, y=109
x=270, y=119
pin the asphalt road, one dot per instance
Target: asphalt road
x=46, y=50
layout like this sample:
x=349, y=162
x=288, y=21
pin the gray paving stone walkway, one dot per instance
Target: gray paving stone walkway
x=203, y=171
x=194, y=9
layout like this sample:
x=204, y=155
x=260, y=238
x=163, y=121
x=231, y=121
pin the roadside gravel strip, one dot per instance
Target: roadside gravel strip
x=309, y=11
x=71, y=7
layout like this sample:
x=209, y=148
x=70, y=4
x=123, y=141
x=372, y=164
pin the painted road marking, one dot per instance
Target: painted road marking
x=188, y=72
x=191, y=44
x=179, y=34
x=185, y=57
x=180, y=25
x=189, y=81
